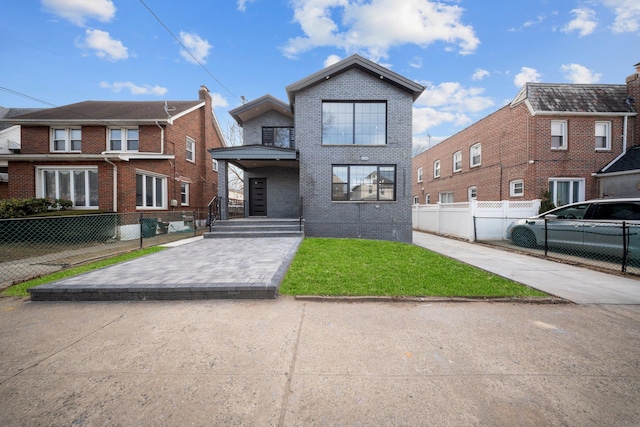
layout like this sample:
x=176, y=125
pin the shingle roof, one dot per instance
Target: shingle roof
x=575, y=98
x=630, y=161
x=7, y=113
x=113, y=111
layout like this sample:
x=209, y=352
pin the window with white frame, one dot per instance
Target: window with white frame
x=151, y=191
x=416, y=200
x=428, y=199
x=66, y=140
x=603, y=136
x=191, y=150
x=475, y=155
x=472, y=193
x=419, y=174
x=446, y=197
x=516, y=188
x=558, y=134
x=123, y=139
x=436, y=169
x=184, y=193
x=77, y=184
x=457, y=161
x=566, y=190
x=215, y=165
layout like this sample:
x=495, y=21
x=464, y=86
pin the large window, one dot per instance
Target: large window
x=282, y=137
x=66, y=140
x=457, y=161
x=603, y=136
x=191, y=150
x=566, y=190
x=123, y=139
x=80, y=185
x=151, y=191
x=363, y=183
x=436, y=169
x=359, y=123
x=558, y=134
x=475, y=155
x=446, y=197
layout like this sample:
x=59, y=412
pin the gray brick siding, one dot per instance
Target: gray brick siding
x=283, y=199
x=374, y=220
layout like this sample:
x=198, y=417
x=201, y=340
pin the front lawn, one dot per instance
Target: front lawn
x=354, y=267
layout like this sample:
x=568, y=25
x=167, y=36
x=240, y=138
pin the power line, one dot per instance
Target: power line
x=187, y=50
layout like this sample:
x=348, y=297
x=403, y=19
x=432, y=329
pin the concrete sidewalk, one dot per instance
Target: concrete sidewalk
x=286, y=362
x=576, y=284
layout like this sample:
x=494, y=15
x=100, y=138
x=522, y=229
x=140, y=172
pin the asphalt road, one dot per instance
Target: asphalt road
x=289, y=362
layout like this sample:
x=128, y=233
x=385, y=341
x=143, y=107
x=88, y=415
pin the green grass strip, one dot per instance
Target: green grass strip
x=355, y=267
x=20, y=289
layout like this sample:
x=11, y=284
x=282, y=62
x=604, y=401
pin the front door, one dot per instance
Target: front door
x=258, y=197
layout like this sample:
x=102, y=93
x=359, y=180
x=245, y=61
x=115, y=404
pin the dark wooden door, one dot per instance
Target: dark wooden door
x=258, y=197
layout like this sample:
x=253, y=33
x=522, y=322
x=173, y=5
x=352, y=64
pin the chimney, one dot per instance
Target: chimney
x=637, y=68
x=204, y=93
x=633, y=92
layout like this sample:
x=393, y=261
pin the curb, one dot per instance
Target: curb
x=358, y=299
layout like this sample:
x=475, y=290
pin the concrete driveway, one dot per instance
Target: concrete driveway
x=288, y=362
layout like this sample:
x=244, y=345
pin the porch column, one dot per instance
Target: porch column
x=223, y=188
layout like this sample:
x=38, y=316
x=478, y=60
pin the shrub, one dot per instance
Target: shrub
x=20, y=208
x=546, y=204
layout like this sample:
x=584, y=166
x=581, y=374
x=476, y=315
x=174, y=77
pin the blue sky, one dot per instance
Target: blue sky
x=473, y=56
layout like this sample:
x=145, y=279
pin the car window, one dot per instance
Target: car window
x=571, y=212
x=617, y=211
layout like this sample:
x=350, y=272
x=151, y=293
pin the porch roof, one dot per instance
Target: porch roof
x=251, y=156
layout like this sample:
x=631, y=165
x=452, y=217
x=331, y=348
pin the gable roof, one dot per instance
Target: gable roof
x=628, y=162
x=112, y=112
x=358, y=62
x=587, y=99
x=259, y=106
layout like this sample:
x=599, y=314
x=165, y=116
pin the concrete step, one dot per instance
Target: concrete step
x=256, y=227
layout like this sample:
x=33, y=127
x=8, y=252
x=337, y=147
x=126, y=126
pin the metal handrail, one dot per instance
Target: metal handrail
x=301, y=213
x=211, y=217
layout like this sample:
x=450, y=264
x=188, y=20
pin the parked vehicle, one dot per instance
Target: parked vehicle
x=603, y=227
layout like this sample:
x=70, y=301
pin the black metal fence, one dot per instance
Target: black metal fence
x=609, y=245
x=32, y=247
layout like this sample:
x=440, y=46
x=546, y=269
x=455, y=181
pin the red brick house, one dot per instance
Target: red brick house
x=551, y=137
x=118, y=156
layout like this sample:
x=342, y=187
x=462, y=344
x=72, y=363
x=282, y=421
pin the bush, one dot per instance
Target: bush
x=546, y=204
x=20, y=208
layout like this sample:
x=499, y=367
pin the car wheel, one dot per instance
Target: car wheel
x=523, y=238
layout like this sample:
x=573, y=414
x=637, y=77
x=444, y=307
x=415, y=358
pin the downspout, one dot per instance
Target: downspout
x=161, y=138
x=624, y=134
x=115, y=183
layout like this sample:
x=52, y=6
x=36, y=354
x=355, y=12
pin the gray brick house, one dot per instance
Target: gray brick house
x=338, y=154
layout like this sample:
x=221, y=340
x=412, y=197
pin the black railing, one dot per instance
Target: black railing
x=213, y=209
x=301, y=213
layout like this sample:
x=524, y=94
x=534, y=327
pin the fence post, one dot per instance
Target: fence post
x=141, y=230
x=546, y=235
x=625, y=246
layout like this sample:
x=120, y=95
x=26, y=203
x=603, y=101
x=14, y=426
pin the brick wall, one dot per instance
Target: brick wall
x=516, y=146
x=375, y=220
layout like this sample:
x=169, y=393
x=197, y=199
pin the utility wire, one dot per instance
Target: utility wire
x=188, y=51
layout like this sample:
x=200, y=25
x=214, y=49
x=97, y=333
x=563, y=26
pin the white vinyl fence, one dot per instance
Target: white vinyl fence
x=474, y=220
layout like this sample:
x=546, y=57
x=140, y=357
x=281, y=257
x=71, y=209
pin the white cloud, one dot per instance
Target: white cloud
x=134, y=89
x=416, y=62
x=627, y=15
x=526, y=75
x=580, y=74
x=218, y=100
x=420, y=22
x=105, y=47
x=79, y=11
x=480, y=74
x=448, y=102
x=584, y=22
x=331, y=59
x=242, y=5
x=198, y=48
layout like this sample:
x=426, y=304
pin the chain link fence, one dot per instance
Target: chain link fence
x=32, y=247
x=608, y=245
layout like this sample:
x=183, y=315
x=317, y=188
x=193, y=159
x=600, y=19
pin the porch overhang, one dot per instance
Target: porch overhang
x=254, y=156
